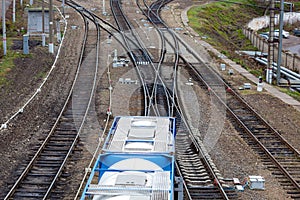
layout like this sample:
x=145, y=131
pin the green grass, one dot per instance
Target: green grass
x=41, y=75
x=294, y=94
x=221, y=23
x=7, y=62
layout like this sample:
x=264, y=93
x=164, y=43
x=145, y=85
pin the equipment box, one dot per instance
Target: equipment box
x=257, y=182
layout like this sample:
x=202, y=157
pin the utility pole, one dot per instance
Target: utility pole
x=63, y=7
x=51, y=46
x=3, y=27
x=269, y=74
x=278, y=75
x=14, y=11
x=103, y=7
x=43, y=25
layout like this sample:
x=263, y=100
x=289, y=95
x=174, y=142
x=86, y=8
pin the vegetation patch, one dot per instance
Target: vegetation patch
x=294, y=94
x=221, y=23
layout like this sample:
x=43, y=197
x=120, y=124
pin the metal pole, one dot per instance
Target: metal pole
x=63, y=7
x=43, y=25
x=103, y=7
x=280, y=41
x=14, y=11
x=58, y=34
x=51, y=46
x=3, y=27
x=271, y=44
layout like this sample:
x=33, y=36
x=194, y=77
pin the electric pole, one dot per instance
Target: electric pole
x=3, y=27
x=278, y=75
x=43, y=25
x=14, y=11
x=51, y=46
x=269, y=74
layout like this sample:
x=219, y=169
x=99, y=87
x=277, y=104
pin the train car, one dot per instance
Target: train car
x=136, y=162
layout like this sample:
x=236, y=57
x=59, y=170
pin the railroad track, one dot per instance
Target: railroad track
x=165, y=77
x=202, y=180
x=148, y=71
x=40, y=176
x=281, y=158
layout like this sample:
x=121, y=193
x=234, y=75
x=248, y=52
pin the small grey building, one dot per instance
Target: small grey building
x=35, y=19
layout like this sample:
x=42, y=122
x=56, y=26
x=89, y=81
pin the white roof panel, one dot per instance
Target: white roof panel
x=147, y=132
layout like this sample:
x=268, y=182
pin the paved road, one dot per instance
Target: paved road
x=292, y=44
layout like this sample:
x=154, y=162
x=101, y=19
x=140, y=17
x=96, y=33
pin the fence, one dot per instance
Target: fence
x=288, y=59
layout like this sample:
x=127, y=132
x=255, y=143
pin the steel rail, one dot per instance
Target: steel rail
x=201, y=153
x=161, y=3
x=266, y=151
x=154, y=93
x=150, y=97
x=85, y=114
x=130, y=52
x=238, y=96
x=163, y=52
x=30, y=165
x=184, y=184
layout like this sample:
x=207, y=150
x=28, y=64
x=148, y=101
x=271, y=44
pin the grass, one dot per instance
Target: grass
x=7, y=62
x=41, y=75
x=294, y=94
x=221, y=23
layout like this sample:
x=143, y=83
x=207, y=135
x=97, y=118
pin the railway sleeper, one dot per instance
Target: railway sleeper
x=188, y=164
x=63, y=127
x=281, y=174
x=35, y=195
x=45, y=162
x=289, y=187
x=43, y=169
x=283, y=180
x=65, y=131
x=295, y=196
x=188, y=151
x=201, y=177
x=191, y=156
x=205, y=185
x=36, y=182
x=67, y=122
x=194, y=160
x=59, y=145
x=62, y=139
x=204, y=196
x=288, y=156
x=192, y=170
x=291, y=167
x=52, y=159
x=57, y=148
x=195, y=173
x=47, y=174
x=282, y=154
x=52, y=152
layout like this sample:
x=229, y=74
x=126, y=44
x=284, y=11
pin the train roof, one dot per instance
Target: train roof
x=141, y=134
x=133, y=176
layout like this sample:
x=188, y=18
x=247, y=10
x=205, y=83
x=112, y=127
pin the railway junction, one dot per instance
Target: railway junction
x=140, y=58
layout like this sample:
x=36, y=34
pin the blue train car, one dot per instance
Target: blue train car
x=137, y=161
